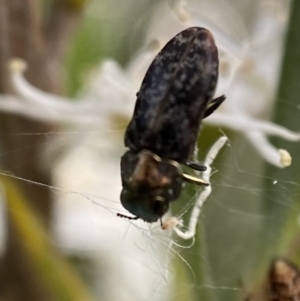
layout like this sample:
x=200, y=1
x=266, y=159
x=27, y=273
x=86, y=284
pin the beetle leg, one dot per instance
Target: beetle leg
x=194, y=180
x=213, y=105
x=196, y=166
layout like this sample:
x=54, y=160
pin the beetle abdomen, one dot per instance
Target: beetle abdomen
x=174, y=95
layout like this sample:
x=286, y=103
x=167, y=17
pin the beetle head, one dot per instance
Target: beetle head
x=149, y=184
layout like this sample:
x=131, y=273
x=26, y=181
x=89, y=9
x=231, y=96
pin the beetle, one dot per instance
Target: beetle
x=175, y=95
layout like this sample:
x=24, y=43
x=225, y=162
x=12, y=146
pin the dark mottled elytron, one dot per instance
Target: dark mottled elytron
x=175, y=95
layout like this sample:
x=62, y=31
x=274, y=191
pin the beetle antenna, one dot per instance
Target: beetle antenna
x=128, y=217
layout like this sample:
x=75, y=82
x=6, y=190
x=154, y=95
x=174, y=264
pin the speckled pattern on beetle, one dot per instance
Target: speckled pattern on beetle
x=175, y=95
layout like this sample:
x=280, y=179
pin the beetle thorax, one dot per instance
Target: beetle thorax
x=149, y=173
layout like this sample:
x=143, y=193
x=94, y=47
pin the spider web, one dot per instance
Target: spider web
x=234, y=225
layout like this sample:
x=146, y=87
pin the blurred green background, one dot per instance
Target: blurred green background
x=251, y=217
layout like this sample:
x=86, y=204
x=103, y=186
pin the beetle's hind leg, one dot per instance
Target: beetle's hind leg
x=196, y=166
x=191, y=179
x=213, y=105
